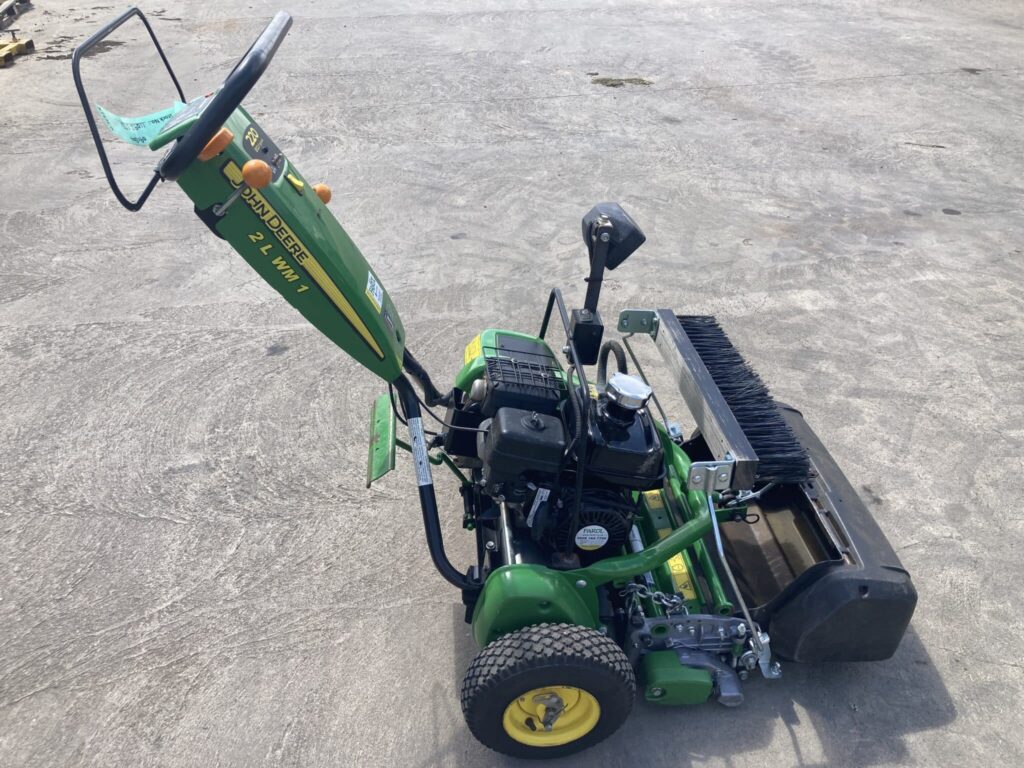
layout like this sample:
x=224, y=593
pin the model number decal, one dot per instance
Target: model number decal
x=286, y=270
x=261, y=147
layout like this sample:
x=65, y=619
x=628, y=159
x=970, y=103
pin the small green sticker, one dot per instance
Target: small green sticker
x=138, y=130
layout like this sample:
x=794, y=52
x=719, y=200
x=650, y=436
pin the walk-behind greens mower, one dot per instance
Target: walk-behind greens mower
x=612, y=551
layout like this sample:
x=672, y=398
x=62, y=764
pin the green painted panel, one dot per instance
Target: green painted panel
x=382, y=439
x=517, y=596
x=668, y=682
x=294, y=242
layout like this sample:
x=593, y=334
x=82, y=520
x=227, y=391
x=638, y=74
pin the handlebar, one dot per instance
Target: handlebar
x=235, y=88
x=76, y=70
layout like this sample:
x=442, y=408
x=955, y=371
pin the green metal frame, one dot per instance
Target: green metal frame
x=667, y=682
x=382, y=439
x=294, y=243
x=517, y=596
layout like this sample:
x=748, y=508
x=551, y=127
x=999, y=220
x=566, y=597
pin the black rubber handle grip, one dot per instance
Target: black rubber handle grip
x=236, y=87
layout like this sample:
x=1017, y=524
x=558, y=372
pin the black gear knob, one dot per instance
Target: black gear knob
x=624, y=236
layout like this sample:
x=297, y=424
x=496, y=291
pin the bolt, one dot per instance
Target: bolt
x=775, y=668
x=581, y=583
x=490, y=546
x=657, y=693
x=741, y=630
x=743, y=674
x=605, y=237
x=723, y=477
x=692, y=630
x=679, y=627
x=698, y=478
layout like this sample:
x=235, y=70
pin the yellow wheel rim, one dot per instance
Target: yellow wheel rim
x=572, y=714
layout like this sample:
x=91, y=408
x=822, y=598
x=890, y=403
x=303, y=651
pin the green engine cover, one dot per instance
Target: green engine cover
x=494, y=342
x=294, y=242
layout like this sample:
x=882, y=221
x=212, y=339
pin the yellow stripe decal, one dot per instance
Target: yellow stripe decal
x=266, y=213
x=653, y=500
x=676, y=565
x=680, y=574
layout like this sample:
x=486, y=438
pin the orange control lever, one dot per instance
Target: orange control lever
x=216, y=145
x=323, y=192
x=257, y=174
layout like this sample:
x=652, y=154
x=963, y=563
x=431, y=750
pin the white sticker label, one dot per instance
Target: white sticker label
x=419, y=452
x=538, y=499
x=374, y=291
x=591, y=537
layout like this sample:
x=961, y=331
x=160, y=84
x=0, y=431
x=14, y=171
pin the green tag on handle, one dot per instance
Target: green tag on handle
x=138, y=130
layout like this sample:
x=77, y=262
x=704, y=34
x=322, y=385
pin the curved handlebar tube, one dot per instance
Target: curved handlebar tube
x=76, y=71
x=236, y=87
x=428, y=501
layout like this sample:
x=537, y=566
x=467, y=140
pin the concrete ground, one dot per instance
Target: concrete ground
x=191, y=572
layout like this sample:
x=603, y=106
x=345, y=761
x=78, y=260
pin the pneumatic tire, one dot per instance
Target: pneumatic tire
x=510, y=683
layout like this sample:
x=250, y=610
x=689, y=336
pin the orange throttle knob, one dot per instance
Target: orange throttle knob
x=323, y=192
x=257, y=174
x=220, y=141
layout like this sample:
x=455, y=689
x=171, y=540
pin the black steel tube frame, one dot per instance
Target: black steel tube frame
x=598, y=260
x=580, y=401
x=420, y=376
x=428, y=501
x=76, y=71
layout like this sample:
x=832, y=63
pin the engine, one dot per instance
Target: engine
x=521, y=434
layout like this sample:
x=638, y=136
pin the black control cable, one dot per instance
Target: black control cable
x=615, y=348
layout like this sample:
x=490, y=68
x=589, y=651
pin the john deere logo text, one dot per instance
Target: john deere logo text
x=292, y=246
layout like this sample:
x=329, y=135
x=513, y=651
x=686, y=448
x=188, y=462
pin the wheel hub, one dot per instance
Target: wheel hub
x=553, y=707
x=551, y=716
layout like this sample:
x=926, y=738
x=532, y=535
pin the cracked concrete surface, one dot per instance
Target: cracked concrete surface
x=191, y=573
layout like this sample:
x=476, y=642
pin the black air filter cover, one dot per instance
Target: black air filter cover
x=522, y=384
x=519, y=445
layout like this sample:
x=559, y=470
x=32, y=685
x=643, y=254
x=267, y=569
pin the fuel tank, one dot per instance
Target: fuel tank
x=625, y=452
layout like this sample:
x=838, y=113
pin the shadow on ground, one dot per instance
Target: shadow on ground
x=835, y=715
